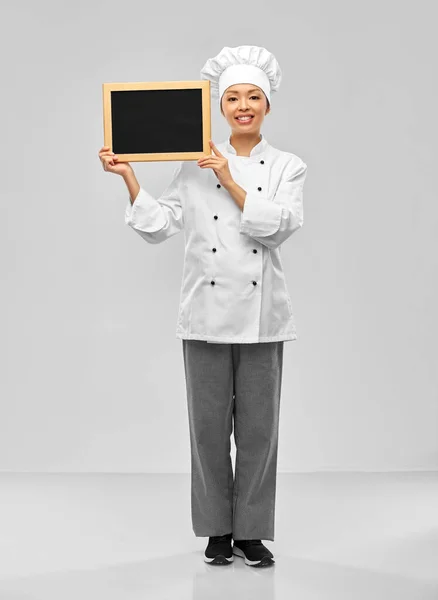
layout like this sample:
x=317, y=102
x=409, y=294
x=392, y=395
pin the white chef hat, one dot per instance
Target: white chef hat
x=243, y=64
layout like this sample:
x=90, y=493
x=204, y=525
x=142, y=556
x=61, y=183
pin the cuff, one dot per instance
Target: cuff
x=145, y=213
x=260, y=217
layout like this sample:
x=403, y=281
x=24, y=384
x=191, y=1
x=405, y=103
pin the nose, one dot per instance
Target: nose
x=243, y=103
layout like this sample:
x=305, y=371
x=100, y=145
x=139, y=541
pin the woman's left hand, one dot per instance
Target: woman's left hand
x=219, y=164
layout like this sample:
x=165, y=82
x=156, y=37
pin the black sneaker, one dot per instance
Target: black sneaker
x=254, y=553
x=218, y=551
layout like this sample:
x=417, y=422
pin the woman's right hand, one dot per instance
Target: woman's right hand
x=110, y=164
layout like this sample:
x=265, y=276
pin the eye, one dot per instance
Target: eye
x=234, y=98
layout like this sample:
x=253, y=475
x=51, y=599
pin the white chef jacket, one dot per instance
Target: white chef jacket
x=233, y=286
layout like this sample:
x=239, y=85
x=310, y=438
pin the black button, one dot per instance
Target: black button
x=215, y=216
x=254, y=282
x=212, y=282
x=259, y=189
x=218, y=185
x=263, y=162
x=255, y=251
x=214, y=249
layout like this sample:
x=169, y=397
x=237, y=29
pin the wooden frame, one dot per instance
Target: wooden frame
x=203, y=85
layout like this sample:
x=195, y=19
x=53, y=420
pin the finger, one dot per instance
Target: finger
x=107, y=163
x=107, y=153
x=208, y=163
x=208, y=158
x=216, y=151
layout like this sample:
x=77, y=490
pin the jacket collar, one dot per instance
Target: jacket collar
x=258, y=148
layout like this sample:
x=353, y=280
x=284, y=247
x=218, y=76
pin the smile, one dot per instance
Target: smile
x=244, y=119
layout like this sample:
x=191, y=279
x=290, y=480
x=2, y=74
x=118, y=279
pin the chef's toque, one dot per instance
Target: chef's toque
x=243, y=64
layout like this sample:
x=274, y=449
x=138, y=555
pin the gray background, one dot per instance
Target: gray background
x=93, y=376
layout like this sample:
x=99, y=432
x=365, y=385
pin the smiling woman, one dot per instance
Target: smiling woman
x=236, y=207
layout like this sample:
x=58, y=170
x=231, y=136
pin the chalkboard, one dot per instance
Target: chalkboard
x=157, y=120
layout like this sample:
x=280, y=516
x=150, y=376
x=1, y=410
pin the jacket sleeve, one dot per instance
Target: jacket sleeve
x=271, y=222
x=156, y=220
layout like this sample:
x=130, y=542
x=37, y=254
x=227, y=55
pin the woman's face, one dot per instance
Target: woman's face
x=244, y=99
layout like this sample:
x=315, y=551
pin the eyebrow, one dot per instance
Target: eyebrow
x=236, y=92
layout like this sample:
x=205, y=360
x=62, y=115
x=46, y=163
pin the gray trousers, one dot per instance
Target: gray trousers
x=240, y=383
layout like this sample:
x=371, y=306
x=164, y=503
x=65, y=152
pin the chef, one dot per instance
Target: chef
x=236, y=209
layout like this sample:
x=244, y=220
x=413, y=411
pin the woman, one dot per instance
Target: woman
x=236, y=207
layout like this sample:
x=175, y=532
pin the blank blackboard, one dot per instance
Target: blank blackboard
x=157, y=120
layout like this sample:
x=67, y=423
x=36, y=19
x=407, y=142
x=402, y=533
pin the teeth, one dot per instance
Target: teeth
x=244, y=118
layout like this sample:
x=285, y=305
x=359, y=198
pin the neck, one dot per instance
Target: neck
x=243, y=143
